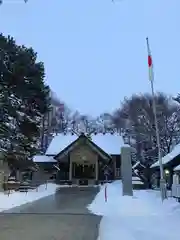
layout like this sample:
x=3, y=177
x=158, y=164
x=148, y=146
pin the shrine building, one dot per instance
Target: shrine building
x=82, y=159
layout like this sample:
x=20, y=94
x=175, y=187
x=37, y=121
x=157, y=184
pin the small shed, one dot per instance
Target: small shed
x=44, y=162
x=47, y=168
x=170, y=162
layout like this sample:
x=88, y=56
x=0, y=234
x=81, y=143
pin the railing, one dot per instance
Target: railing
x=175, y=190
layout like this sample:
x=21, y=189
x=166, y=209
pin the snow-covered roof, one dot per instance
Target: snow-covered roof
x=177, y=168
x=43, y=158
x=60, y=142
x=110, y=143
x=170, y=156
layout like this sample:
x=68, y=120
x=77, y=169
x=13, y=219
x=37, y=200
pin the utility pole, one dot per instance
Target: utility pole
x=151, y=78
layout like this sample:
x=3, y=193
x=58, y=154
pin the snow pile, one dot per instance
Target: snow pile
x=130, y=229
x=141, y=217
x=16, y=199
x=143, y=202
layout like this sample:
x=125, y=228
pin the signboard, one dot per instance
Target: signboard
x=106, y=172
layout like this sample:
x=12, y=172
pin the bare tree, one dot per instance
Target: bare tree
x=136, y=117
x=87, y=124
x=105, y=123
x=75, y=119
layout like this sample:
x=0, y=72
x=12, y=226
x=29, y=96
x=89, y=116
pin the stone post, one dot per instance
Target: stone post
x=1, y=180
x=97, y=169
x=70, y=170
x=4, y=173
x=126, y=171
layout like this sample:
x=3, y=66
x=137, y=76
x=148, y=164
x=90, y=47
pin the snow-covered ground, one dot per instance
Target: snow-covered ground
x=16, y=199
x=141, y=217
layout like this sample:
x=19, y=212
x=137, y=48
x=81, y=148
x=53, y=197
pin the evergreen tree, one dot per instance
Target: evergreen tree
x=23, y=95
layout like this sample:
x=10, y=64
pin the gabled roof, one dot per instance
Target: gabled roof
x=83, y=139
x=169, y=157
x=109, y=143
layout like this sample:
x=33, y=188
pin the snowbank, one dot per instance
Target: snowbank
x=16, y=199
x=141, y=217
x=142, y=203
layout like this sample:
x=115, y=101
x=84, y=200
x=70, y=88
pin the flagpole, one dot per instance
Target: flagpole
x=162, y=180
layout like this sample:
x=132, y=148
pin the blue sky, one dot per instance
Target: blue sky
x=95, y=51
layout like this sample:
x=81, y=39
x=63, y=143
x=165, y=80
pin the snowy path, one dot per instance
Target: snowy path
x=62, y=216
x=141, y=217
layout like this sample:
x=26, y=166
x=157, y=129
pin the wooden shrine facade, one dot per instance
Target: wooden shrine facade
x=84, y=162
